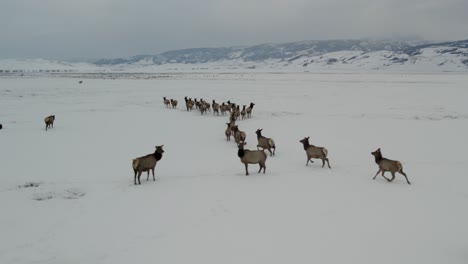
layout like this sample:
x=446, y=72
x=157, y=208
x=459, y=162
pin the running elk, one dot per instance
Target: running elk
x=388, y=165
x=265, y=143
x=314, y=152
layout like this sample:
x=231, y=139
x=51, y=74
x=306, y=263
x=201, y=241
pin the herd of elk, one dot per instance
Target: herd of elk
x=148, y=163
x=264, y=143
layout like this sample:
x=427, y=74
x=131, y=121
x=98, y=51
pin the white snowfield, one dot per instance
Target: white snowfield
x=67, y=195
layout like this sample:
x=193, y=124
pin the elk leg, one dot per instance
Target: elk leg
x=383, y=175
x=377, y=174
x=323, y=163
x=328, y=162
x=153, y=175
x=393, y=177
x=404, y=174
x=246, y=170
x=135, y=176
x=147, y=176
x=139, y=175
x=260, y=167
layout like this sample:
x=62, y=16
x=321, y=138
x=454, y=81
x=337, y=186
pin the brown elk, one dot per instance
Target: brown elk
x=174, y=103
x=265, y=143
x=385, y=165
x=147, y=163
x=314, y=152
x=251, y=157
x=249, y=110
x=49, y=121
x=167, y=103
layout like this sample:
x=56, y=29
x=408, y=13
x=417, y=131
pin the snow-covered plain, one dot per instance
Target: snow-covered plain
x=67, y=195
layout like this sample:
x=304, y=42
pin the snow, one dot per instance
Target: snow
x=33, y=65
x=67, y=195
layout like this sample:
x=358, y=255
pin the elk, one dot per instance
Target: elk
x=190, y=104
x=232, y=123
x=265, y=143
x=388, y=165
x=249, y=110
x=237, y=112
x=174, y=103
x=314, y=152
x=239, y=136
x=202, y=108
x=49, y=121
x=251, y=157
x=224, y=108
x=166, y=102
x=228, y=132
x=207, y=106
x=215, y=107
x=243, y=112
x=187, y=103
x=147, y=163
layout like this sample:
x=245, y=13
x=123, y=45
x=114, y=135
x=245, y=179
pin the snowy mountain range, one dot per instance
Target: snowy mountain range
x=295, y=56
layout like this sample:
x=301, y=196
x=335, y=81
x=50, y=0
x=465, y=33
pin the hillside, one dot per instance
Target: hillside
x=296, y=56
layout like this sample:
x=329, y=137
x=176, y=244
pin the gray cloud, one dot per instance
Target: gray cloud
x=64, y=29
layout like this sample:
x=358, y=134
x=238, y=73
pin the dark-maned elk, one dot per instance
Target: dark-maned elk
x=388, y=165
x=167, y=103
x=174, y=103
x=49, y=121
x=314, y=152
x=265, y=143
x=249, y=110
x=146, y=163
x=215, y=107
x=251, y=157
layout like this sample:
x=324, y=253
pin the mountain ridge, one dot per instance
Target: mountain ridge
x=357, y=54
x=278, y=51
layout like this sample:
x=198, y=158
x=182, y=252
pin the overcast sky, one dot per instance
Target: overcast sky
x=65, y=29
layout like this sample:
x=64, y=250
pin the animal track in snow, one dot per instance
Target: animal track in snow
x=73, y=193
x=43, y=196
x=29, y=185
x=42, y=192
